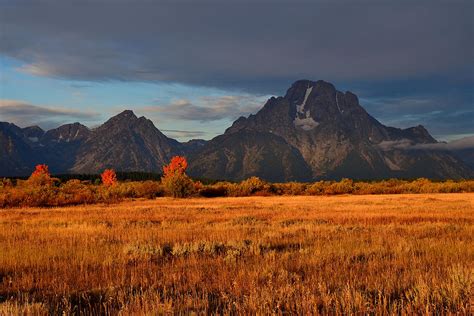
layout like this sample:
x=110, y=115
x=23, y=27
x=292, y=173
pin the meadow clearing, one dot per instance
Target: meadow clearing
x=343, y=254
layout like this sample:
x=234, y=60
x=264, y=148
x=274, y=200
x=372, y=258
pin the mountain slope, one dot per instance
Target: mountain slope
x=17, y=157
x=125, y=143
x=249, y=153
x=59, y=146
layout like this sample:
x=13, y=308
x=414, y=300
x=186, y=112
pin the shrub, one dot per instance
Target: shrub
x=232, y=189
x=253, y=185
x=75, y=192
x=6, y=183
x=135, y=189
x=35, y=195
x=317, y=188
x=290, y=188
x=216, y=190
x=345, y=186
x=148, y=189
x=178, y=186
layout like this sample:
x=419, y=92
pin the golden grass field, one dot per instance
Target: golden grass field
x=378, y=254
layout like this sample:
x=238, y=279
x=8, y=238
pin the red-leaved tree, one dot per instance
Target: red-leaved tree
x=175, y=180
x=41, y=170
x=40, y=176
x=109, y=178
x=177, y=165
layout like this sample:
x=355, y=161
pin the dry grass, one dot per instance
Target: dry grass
x=343, y=254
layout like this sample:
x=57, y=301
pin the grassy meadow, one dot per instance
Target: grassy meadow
x=380, y=254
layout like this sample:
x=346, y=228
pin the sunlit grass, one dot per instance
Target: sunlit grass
x=342, y=254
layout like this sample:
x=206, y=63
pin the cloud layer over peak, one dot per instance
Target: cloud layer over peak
x=238, y=44
x=208, y=108
x=24, y=114
x=405, y=144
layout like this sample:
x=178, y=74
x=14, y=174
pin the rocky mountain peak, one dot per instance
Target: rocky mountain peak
x=351, y=98
x=302, y=88
x=127, y=114
x=420, y=134
x=33, y=131
x=126, y=117
x=66, y=133
x=308, y=106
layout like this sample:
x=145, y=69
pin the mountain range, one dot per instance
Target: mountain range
x=313, y=132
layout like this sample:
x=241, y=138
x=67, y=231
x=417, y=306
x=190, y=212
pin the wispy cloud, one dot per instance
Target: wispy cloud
x=24, y=114
x=405, y=144
x=183, y=134
x=206, y=109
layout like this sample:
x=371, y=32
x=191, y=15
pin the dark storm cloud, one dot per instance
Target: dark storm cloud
x=444, y=107
x=411, y=62
x=258, y=45
x=25, y=114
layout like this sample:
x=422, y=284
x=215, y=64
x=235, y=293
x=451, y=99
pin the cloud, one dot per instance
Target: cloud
x=183, y=134
x=207, y=109
x=447, y=110
x=25, y=114
x=257, y=45
x=405, y=144
x=463, y=143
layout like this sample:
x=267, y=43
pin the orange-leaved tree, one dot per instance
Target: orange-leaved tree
x=41, y=170
x=109, y=178
x=175, y=180
x=40, y=176
x=177, y=165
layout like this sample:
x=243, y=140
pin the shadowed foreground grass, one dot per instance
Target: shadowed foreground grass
x=342, y=254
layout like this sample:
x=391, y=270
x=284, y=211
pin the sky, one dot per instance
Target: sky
x=193, y=67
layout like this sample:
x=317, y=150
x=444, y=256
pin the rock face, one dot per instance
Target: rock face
x=334, y=135
x=312, y=132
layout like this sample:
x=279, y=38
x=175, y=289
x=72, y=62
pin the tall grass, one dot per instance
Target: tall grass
x=380, y=254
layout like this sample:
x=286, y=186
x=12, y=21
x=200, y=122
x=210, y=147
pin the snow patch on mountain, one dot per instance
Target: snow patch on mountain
x=300, y=108
x=306, y=123
x=337, y=103
x=303, y=118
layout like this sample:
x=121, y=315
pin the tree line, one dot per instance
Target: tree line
x=42, y=189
